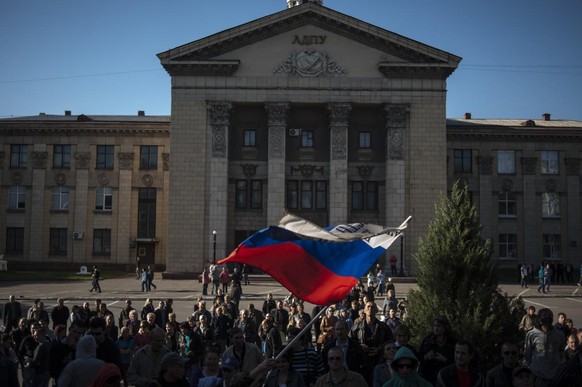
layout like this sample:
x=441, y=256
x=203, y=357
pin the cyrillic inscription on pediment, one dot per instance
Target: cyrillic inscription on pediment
x=307, y=40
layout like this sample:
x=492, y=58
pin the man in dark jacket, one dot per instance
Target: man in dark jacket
x=60, y=314
x=501, y=375
x=12, y=313
x=461, y=373
x=353, y=352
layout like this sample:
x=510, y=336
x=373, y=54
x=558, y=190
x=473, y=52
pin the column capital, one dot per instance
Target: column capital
x=339, y=113
x=219, y=122
x=277, y=113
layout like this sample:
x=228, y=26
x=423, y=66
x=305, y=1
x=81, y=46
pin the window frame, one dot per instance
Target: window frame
x=58, y=241
x=250, y=138
x=19, y=156
x=307, y=139
x=256, y=195
x=17, y=197
x=506, y=201
x=462, y=160
x=365, y=195
x=365, y=140
x=14, y=240
x=292, y=194
x=551, y=246
x=505, y=162
x=62, y=156
x=509, y=245
x=60, y=196
x=550, y=204
x=102, y=203
x=548, y=163
x=148, y=157
x=105, y=157
x=102, y=241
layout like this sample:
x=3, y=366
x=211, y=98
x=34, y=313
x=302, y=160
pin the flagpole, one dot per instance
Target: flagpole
x=303, y=331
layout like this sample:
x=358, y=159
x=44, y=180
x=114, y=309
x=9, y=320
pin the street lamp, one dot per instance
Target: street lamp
x=402, y=255
x=214, y=247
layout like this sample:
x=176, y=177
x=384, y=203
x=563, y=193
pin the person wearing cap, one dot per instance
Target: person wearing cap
x=501, y=374
x=523, y=377
x=339, y=375
x=544, y=348
x=147, y=361
x=248, y=355
x=172, y=371
x=461, y=373
x=405, y=371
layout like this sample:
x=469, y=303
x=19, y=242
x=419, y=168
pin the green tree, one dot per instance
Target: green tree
x=458, y=280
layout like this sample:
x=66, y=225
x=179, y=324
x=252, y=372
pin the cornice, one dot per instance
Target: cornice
x=201, y=67
x=416, y=70
x=72, y=129
x=494, y=132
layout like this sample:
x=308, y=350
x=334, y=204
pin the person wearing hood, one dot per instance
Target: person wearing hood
x=81, y=371
x=405, y=371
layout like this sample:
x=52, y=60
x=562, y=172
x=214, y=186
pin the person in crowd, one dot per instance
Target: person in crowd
x=561, y=324
x=280, y=316
x=172, y=337
x=63, y=351
x=103, y=311
x=544, y=347
x=95, y=278
x=269, y=304
x=222, y=326
x=327, y=327
x=106, y=348
x=391, y=320
x=353, y=351
x=150, y=278
x=437, y=350
x=60, y=314
x=235, y=293
x=81, y=371
x=390, y=302
x=382, y=372
x=524, y=275
x=523, y=377
x=147, y=361
x=256, y=315
x=304, y=359
x=247, y=326
x=86, y=314
x=405, y=371
x=39, y=363
x=202, y=311
x=133, y=323
x=39, y=313
x=18, y=335
x=8, y=362
x=111, y=330
x=126, y=345
x=283, y=374
x=461, y=371
x=26, y=353
x=124, y=313
x=224, y=279
x=76, y=316
x=148, y=307
x=144, y=280
x=12, y=313
x=338, y=374
x=248, y=354
x=210, y=373
x=502, y=374
x=190, y=345
x=206, y=280
x=143, y=335
x=107, y=376
x=172, y=372
x=527, y=322
x=571, y=346
x=205, y=331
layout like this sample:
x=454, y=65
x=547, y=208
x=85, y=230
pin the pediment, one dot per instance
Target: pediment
x=311, y=32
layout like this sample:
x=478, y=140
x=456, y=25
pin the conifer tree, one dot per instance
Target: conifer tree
x=457, y=278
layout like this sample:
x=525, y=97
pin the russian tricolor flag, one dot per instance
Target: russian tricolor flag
x=317, y=265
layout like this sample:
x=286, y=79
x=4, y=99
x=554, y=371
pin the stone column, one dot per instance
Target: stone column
x=124, y=207
x=218, y=178
x=531, y=212
x=338, y=166
x=277, y=126
x=81, y=209
x=38, y=231
x=486, y=196
x=396, y=122
x=573, y=243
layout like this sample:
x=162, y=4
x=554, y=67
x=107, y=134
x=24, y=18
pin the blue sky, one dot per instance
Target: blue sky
x=521, y=58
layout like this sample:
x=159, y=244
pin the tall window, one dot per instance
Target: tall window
x=307, y=194
x=462, y=160
x=148, y=157
x=549, y=162
x=17, y=197
x=102, y=241
x=364, y=195
x=241, y=194
x=249, y=194
x=256, y=194
x=14, y=240
x=507, y=205
x=365, y=140
x=307, y=138
x=58, y=242
x=321, y=195
x=250, y=138
x=18, y=156
x=60, y=198
x=104, y=199
x=550, y=204
x=146, y=225
x=507, y=246
x=551, y=246
x=505, y=161
x=105, y=156
x=292, y=194
x=62, y=156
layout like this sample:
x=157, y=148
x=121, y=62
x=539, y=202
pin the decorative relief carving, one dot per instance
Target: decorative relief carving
x=485, y=164
x=39, y=160
x=528, y=165
x=339, y=143
x=125, y=160
x=219, y=120
x=166, y=161
x=551, y=185
x=277, y=121
x=249, y=170
x=365, y=171
x=60, y=179
x=396, y=117
x=16, y=178
x=572, y=165
x=82, y=160
x=277, y=113
x=147, y=180
x=103, y=179
x=339, y=114
x=309, y=64
x=507, y=185
x=307, y=170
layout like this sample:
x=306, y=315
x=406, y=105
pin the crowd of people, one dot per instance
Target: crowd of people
x=357, y=342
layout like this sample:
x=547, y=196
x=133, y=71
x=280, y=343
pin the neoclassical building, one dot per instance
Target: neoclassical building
x=306, y=110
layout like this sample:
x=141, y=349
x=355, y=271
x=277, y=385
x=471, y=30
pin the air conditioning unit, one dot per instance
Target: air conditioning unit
x=294, y=132
x=77, y=235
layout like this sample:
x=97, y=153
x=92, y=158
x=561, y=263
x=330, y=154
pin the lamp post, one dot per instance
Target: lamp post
x=402, y=255
x=214, y=247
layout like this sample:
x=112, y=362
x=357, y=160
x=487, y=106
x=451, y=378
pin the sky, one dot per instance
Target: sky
x=521, y=58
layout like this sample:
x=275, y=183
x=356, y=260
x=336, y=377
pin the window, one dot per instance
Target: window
x=14, y=240
x=102, y=241
x=17, y=197
x=104, y=199
x=256, y=194
x=18, y=156
x=292, y=194
x=146, y=225
x=507, y=205
x=62, y=156
x=549, y=162
x=505, y=161
x=321, y=195
x=307, y=194
x=462, y=160
x=148, y=157
x=507, y=246
x=250, y=138
x=364, y=195
x=551, y=246
x=58, y=243
x=60, y=198
x=301, y=194
x=104, y=157
x=241, y=194
x=246, y=191
x=365, y=140
x=307, y=138
x=550, y=204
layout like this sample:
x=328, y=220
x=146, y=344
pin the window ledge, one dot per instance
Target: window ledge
x=551, y=217
x=16, y=210
x=57, y=253
x=507, y=216
x=59, y=211
x=102, y=254
x=103, y=212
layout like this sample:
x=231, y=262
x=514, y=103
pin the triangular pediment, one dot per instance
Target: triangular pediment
x=303, y=30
